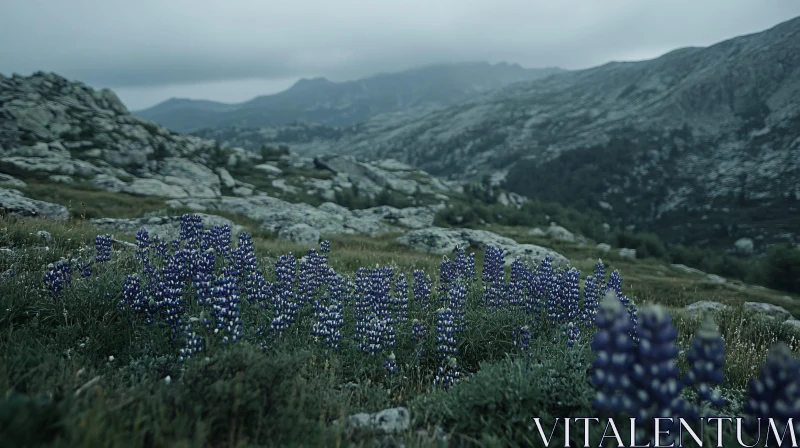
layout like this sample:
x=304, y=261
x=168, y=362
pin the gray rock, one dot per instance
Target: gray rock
x=45, y=236
x=744, y=246
x=300, y=233
x=560, y=233
x=195, y=179
x=269, y=169
x=792, y=323
x=715, y=279
x=537, y=232
x=61, y=179
x=706, y=305
x=628, y=253
x=225, y=178
x=242, y=191
x=687, y=269
x=153, y=187
x=12, y=181
x=15, y=203
x=164, y=227
x=274, y=214
x=410, y=217
x=108, y=183
x=768, y=310
x=281, y=185
x=443, y=241
x=387, y=421
x=603, y=246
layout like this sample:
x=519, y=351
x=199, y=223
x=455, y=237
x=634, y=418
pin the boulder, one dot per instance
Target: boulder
x=11, y=181
x=560, y=233
x=300, y=233
x=793, y=324
x=275, y=214
x=603, y=246
x=242, y=191
x=628, y=253
x=744, y=246
x=537, y=232
x=438, y=240
x=768, y=310
x=269, y=169
x=154, y=187
x=387, y=421
x=225, y=178
x=706, y=305
x=15, y=203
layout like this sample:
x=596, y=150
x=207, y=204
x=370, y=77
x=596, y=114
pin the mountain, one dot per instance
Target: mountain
x=701, y=145
x=322, y=101
x=63, y=143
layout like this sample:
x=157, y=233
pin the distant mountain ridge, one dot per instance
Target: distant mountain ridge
x=320, y=100
x=701, y=145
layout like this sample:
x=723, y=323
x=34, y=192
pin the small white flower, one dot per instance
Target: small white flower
x=111, y=358
x=167, y=379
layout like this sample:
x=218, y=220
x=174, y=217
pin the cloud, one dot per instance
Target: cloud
x=157, y=43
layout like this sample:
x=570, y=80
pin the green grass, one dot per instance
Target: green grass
x=85, y=201
x=61, y=388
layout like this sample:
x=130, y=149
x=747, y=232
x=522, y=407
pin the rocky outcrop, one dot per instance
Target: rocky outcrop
x=300, y=233
x=375, y=176
x=14, y=203
x=410, y=217
x=164, y=227
x=51, y=125
x=705, y=306
x=768, y=310
x=443, y=241
x=274, y=214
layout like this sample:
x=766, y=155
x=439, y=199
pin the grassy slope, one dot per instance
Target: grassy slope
x=59, y=351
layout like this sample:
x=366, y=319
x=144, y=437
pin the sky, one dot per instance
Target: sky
x=232, y=50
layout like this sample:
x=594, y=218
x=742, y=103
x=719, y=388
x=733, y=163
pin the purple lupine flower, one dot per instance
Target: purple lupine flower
x=706, y=357
x=191, y=230
x=422, y=289
x=655, y=373
x=517, y=284
x=774, y=394
x=226, y=309
x=449, y=371
x=102, y=244
x=522, y=341
x=493, y=278
x=390, y=363
x=418, y=331
x=600, y=275
x=590, y=301
x=457, y=303
x=325, y=247
x=85, y=269
x=220, y=240
x=400, y=301
x=615, y=356
x=58, y=277
x=193, y=345
x=133, y=301
x=330, y=318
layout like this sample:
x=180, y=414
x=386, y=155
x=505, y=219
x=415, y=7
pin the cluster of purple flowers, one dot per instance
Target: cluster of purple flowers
x=102, y=244
x=58, y=277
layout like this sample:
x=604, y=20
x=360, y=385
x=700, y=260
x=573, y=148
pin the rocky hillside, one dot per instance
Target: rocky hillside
x=63, y=140
x=701, y=145
x=322, y=101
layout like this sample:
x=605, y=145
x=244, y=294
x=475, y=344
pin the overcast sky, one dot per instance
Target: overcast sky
x=232, y=50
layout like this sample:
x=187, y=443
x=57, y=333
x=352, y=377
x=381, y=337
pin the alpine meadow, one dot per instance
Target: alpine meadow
x=404, y=254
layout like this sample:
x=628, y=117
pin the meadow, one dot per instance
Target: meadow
x=244, y=340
